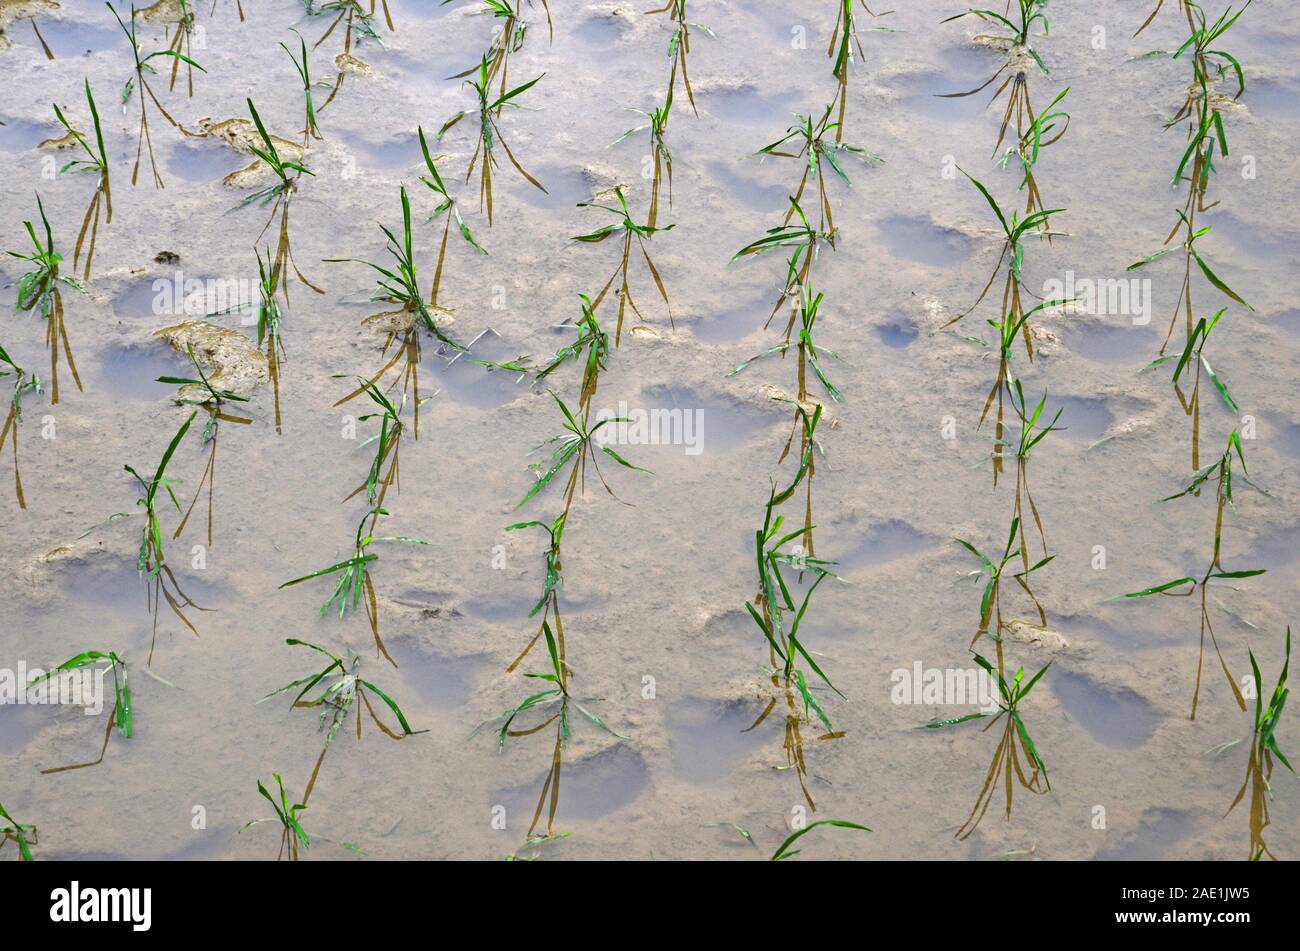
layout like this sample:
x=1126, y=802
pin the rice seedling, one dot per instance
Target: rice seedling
x=1263, y=750
x=778, y=617
x=1221, y=470
x=808, y=142
x=576, y=444
x=1208, y=64
x=39, y=293
x=657, y=126
x=22, y=836
x=178, y=15
x=844, y=40
x=269, y=324
x=1013, y=320
x=507, y=38
x=212, y=400
x=558, y=698
x=785, y=852
x=803, y=240
x=589, y=348
x=809, y=305
x=387, y=443
x=1193, y=234
x=310, y=130
x=485, y=157
x=292, y=834
x=1031, y=434
x=279, y=196
x=679, y=49
x=1184, y=5
x=1205, y=134
x=139, y=80
x=95, y=162
x=446, y=206
x=337, y=698
x=549, y=602
x=631, y=231
x=1192, y=361
x=398, y=284
x=151, y=560
x=1016, y=745
x=1040, y=134
x=992, y=623
x=24, y=383
x=358, y=26
x=123, y=715
x=1017, y=47
x=354, y=576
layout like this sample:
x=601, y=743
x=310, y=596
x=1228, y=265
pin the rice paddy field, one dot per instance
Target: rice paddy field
x=640, y=430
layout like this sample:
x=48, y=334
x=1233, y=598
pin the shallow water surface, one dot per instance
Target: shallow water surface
x=657, y=573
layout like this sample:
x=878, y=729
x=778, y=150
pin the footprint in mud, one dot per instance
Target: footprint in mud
x=179, y=294
x=471, y=384
x=734, y=623
x=1277, y=99
x=565, y=185
x=691, y=421
x=68, y=38
x=746, y=104
x=392, y=154
x=899, y=332
x=191, y=161
x=1117, y=717
x=601, y=31
x=1252, y=241
x=911, y=238
x=1276, y=547
x=1288, y=439
x=445, y=682
x=513, y=607
x=1127, y=632
x=241, y=135
x=1288, y=320
x=733, y=323
x=594, y=786
x=19, y=723
x=1112, y=340
x=1083, y=418
x=928, y=93
x=879, y=544
x=1159, y=833
x=129, y=372
x=709, y=738
x=19, y=135
x=747, y=191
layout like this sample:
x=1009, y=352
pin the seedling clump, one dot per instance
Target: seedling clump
x=39, y=292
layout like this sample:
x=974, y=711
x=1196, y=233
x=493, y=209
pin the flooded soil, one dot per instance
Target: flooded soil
x=659, y=643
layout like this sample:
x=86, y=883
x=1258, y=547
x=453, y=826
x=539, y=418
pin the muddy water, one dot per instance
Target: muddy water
x=656, y=590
